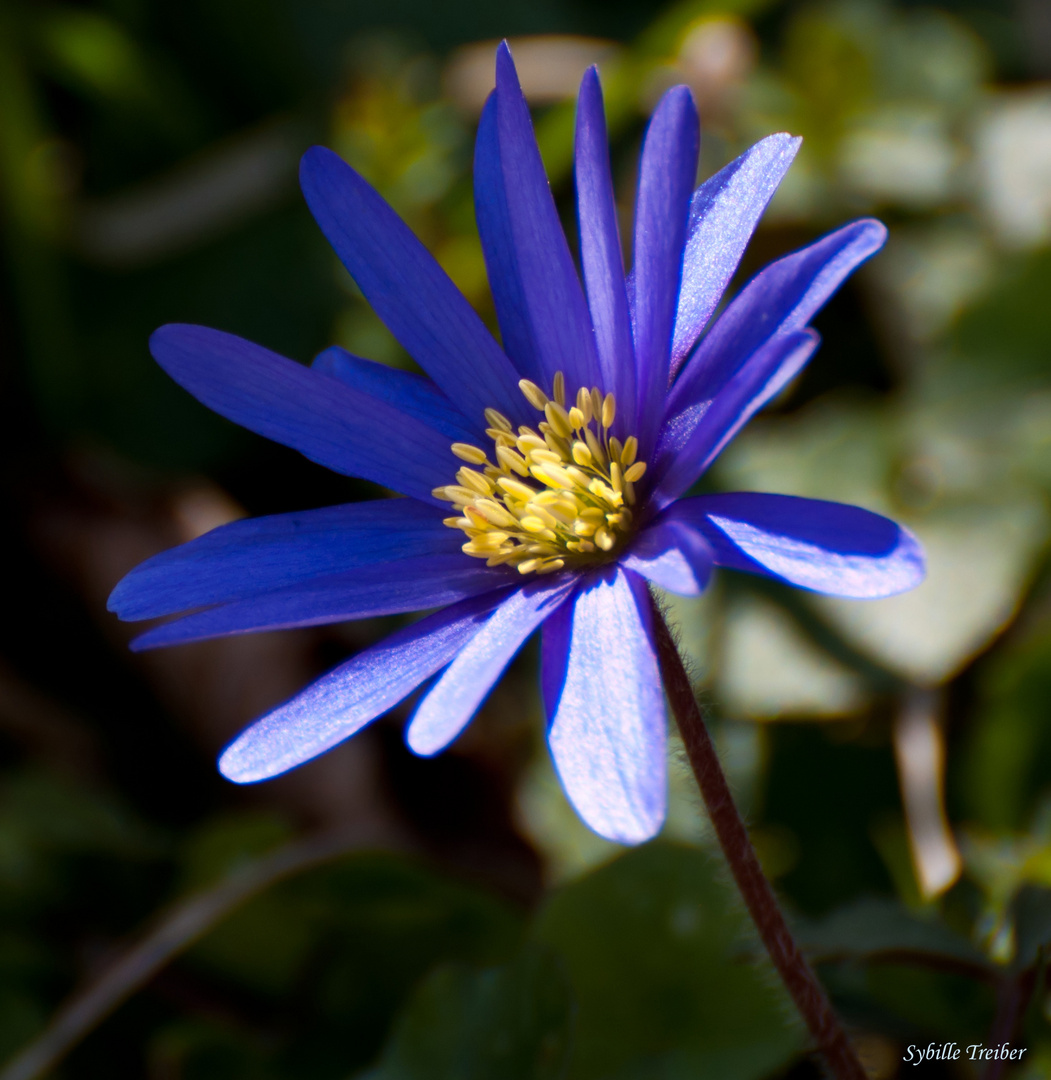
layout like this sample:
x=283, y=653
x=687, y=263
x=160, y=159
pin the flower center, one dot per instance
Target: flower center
x=559, y=495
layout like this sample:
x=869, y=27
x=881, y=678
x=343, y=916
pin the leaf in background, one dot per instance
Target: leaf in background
x=1006, y=756
x=769, y=671
x=96, y=57
x=871, y=928
x=506, y=1023
x=1008, y=334
x=653, y=946
x=347, y=942
x=864, y=454
x=1031, y=911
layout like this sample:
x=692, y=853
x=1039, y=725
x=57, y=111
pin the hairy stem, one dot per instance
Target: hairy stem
x=798, y=976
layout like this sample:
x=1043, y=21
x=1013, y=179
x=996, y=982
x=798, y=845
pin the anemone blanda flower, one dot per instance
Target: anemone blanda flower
x=544, y=480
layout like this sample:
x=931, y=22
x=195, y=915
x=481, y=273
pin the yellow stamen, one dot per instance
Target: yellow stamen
x=497, y=420
x=560, y=491
x=475, y=481
x=559, y=388
x=581, y=454
x=466, y=452
x=558, y=418
x=533, y=394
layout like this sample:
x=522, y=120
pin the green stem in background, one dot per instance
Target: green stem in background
x=798, y=976
x=183, y=924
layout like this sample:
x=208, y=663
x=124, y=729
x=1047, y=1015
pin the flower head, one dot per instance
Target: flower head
x=544, y=480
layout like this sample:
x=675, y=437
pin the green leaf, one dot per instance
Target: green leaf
x=1007, y=752
x=1008, y=334
x=1032, y=921
x=871, y=928
x=507, y=1023
x=655, y=948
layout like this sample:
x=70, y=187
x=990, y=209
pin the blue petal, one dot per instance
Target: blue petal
x=667, y=174
x=258, y=555
x=673, y=556
x=413, y=394
x=498, y=245
x=383, y=588
x=603, y=695
x=409, y=291
x=449, y=705
x=724, y=212
x=691, y=441
x=600, y=250
x=783, y=297
x=342, y=702
x=539, y=301
x=823, y=546
x=313, y=413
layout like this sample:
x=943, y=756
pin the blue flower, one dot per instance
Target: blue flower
x=544, y=480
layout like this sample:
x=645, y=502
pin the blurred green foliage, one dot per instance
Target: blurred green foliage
x=147, y=174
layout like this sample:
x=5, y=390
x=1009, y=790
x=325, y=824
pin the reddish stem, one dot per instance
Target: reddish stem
x=798, y=976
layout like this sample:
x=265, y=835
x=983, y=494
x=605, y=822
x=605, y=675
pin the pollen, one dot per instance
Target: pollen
x=560, y=494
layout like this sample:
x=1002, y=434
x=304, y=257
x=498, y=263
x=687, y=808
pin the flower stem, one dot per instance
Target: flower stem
x=798, y=976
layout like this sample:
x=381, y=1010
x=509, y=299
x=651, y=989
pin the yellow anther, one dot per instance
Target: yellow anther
x=511, y=460
x=533, y=394
x=501, y=437
x=581, y=454
x=555, y=442
x=559, y=388
x=516, y=489
x=475, y=481
x=467, y=452
x=584, y=404
x=527, y=443
x=455, y=494
x=497, y=420
x=545, y=514
x=552, y=475
x=595, y=447
x=495, y=514
x=490, y=541
x=558, y=494
x=558, y=418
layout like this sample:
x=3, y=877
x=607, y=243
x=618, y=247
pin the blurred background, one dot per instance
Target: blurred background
x=373, y=915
